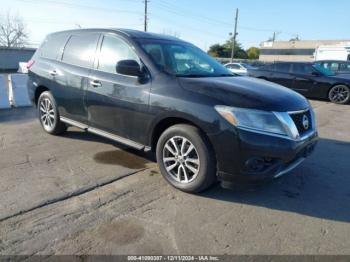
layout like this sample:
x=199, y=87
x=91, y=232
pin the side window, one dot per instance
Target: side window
x=235, y=66
x=52, y=46
x=283, y=67
x=80, y=50
x=334, y=66
x=325, y=65
x=344, y=67
x=113, y=50
x=304, y=69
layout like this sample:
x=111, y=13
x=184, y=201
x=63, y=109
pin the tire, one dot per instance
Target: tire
x=339, y=94
x=188, y=169
x=48, y=115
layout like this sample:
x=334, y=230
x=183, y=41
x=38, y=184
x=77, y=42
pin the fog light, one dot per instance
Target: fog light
x=255, y=164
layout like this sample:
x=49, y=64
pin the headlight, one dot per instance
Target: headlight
x=252, y=119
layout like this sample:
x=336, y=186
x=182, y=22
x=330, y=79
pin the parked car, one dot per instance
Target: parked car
x=309, y=79
x=239, y=68
x=337, y=67
x=159, y=93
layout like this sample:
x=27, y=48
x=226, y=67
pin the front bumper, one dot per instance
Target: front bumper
x=245, y=156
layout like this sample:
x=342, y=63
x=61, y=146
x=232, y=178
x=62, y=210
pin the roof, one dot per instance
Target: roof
x=306, y=44
x=135, y=34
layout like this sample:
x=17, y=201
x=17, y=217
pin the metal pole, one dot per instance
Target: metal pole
x=146, y=18
x=234, y=37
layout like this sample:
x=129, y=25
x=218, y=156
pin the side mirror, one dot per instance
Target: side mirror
x=315, y=73
x=129, y=67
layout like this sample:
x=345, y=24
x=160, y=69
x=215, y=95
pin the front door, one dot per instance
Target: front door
x=305, y=78
x=117, y=104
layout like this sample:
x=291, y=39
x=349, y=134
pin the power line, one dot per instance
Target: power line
x=166, y=6
x=172, y=9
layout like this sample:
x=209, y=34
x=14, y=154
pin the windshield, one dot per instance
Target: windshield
x=184, y=60
x=323, y=70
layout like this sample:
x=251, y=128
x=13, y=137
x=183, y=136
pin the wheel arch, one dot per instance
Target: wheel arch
x=167, y=122
x=38, y=91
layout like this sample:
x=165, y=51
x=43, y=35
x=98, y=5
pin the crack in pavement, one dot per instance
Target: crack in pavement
x=79, y=192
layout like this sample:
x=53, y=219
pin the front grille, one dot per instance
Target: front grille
x=303, y=121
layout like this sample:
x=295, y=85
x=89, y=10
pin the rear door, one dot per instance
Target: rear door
x=71, y=75
x=282, y=75
x=117, y=104
x=46, y=62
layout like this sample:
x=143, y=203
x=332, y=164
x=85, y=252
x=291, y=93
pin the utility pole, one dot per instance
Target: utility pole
x=234, y=37
x=146, y=15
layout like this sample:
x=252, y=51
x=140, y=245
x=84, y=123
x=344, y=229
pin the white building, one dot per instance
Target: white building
x=297, y=50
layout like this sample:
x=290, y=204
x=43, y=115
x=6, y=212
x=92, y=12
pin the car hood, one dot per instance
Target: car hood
x=247, y=92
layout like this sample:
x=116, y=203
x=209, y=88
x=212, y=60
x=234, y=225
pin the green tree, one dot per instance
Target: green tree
x=224, y=50
x=253, y=53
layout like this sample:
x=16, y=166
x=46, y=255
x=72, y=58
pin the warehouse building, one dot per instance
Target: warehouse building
x=294, y=50
x=10, y=57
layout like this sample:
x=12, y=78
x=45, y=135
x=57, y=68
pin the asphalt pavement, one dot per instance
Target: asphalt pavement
x=82, y=194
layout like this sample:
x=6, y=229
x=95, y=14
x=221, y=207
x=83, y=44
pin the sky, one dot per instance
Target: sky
x=202, y=22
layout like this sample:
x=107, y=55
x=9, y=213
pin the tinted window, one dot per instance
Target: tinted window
x=345, y=67
x=52, y=46
x=334, y=66
x=113, y=50
x=234, y=66
x=80, y=50
x=304, y=69
x=283, y=67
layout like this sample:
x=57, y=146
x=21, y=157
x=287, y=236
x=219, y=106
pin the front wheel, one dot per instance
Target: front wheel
x=339, y=94
x=48, y=114
x=186, y=159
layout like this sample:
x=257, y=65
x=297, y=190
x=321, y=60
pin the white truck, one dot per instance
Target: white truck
x=333, y=52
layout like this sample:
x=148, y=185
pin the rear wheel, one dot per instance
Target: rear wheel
x=186, y=159
x=48, y=114
x=339, y=94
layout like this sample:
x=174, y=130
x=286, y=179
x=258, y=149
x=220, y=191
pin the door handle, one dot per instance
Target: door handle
x=96, y=83
x=53, y=72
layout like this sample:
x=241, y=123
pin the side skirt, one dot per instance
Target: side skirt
x=102, y=133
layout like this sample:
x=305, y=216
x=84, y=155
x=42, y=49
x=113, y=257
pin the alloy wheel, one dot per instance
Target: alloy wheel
x=181, y=159
x=339, y=94
x=47, y=114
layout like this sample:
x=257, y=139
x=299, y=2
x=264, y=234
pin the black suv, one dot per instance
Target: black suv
x=310, y=79
x=159, y=93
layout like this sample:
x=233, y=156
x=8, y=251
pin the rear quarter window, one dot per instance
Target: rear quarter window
x=52, y=47
x=80, y=50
